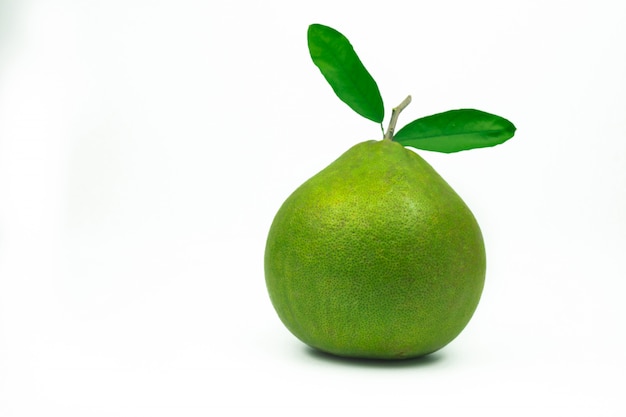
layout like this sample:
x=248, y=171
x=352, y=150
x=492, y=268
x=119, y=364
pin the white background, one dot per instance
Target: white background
x=146, y=145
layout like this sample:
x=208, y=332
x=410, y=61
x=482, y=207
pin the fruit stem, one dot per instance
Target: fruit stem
x=395, y=112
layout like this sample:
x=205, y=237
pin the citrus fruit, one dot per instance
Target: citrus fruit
x=376, y=256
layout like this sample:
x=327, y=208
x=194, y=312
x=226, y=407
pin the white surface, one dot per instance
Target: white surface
x=146, y=145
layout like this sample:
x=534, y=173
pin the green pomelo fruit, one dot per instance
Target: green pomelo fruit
x=376, y=256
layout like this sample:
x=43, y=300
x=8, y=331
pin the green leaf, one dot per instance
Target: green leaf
x=334, y=56
x=456, y=130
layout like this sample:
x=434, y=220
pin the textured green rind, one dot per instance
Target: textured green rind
x=375, y=257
